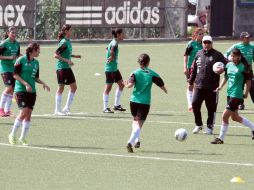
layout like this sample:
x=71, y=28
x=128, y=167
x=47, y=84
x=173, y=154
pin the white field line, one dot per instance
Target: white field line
x=86, y=117
x=131, y=45
x=130, y=156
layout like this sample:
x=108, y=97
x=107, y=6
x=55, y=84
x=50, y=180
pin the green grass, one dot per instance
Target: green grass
x=87, y=151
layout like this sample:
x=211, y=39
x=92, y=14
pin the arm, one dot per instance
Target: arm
x=17, y=77
x=159, y=82
x=2, y=57
x=76, y=56
x=185, y=58
x=58, y=54
x=131, y=82
x=112, y=54
x=223, y=82
x=45, y=86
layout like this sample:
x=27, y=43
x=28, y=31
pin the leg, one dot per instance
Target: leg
x=118, y=94
x=197, y=101
x=25, y=126
x=71, y=94
x=58, y=99
x=189, y=95
x=106, y=92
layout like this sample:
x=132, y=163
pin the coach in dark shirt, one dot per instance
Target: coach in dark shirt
x=206, y=82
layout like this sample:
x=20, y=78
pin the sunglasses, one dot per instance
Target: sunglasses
x=207, y=42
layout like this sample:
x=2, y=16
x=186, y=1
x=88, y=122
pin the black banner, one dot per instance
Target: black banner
x=19, y=13
x=113, y=13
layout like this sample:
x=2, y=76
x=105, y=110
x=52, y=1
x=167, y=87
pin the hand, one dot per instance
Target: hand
x=186, y=71
x=109, y=59
x=46, y=87
x=70, y=63
x=28, y=88
x=125, y=83
x=77, y=56
x=217, y=89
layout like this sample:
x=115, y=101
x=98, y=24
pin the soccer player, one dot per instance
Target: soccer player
x=26, y=73
x=247, y=51
x=237, y=72
x=112, y=73
x=206, y=82
x=192, y=48
x=9, y=51
x=142, y=80
x=64, y=72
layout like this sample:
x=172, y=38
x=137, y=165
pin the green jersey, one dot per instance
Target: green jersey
x=246, y=49
x=8, y=48
x=64, y=50
x=112, y=65
x=143, y=79
x=192, y=48
x=28, y=71
x=235, y=75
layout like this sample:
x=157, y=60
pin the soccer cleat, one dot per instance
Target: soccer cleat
x=2, y=113
x=59, y=113
x=241, y=107
x=8, y=114
x=137, y=145
x=119, y=108
x=12, y=139
x=217, y=141
x=208, y=131
x=66, y=111
x=197, y=129
x=23, y=142
x=108, y=110
x=129, y=148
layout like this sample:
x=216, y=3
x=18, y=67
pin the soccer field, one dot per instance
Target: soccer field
x=87, y=149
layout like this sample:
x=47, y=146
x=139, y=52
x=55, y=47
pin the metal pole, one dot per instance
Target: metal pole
x=35, y=18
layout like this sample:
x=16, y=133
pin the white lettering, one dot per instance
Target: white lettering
x=20, y=18
x=9, y=13
x=111, y=20
x=135, y=11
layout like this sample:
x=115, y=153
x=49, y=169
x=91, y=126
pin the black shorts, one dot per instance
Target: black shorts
x=25, y=99
x=139, y=111
x=233, y=103
x=8, y=79
x=112, y=77
x=65, y=76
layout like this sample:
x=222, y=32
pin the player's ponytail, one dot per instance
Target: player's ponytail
x=33, y=46
x=144, y=60
x=117, y=31
x=6, y=34
x=65, y=28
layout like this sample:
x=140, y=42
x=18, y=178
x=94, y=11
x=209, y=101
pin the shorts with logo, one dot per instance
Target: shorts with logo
x=65, y=76
x=8, y=79
x=112, y=77
x=139, y=111
x=25, y=99
x=233, y=103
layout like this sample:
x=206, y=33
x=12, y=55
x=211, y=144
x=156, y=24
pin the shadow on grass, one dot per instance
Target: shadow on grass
x=68, y=147
x=188, y=152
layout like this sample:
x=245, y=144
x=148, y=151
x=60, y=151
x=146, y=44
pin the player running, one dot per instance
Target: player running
x=237, y=72
x=112, y=73
x=64, y=72
x=9, y=51
x=142, y=80
x=192, y=48
x=26, y=73
x=247, y=51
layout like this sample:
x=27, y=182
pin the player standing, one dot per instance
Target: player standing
x=237, y=72
x=112, y=73
x=192, y=48
x=64, y=72
x=9, y=51
x=142, y=80
x=26, y=73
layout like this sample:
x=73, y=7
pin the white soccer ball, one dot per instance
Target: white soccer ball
x=181, y=134
x=218, y=68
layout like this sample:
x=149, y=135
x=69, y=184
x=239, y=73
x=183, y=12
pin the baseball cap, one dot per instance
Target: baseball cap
x=245, y=35
x=207, y=38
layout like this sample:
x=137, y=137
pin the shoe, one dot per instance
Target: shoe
x=217, y=141
x=59, y=113
x=197, y=129
x=23, y=142
x=12, y=139
x=8, y=114
x=119, y=108
x=107, y=110
x=137, y=145
x=129, y=148
x=241, y=107
x=2, y=113
x=66, y=111
x=208, y=131
x=252, y=137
